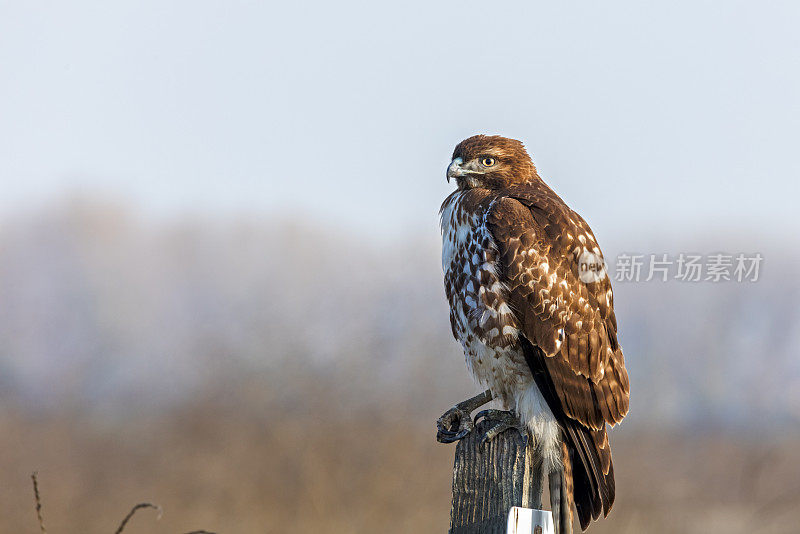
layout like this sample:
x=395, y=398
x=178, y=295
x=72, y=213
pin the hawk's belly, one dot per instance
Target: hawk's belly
x=485, y=325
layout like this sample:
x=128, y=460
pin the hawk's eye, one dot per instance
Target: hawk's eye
x=487, y=161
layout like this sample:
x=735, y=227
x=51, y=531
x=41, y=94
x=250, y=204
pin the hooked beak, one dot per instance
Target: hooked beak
x=454, y=170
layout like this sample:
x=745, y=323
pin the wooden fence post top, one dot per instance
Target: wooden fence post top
x=489, y=479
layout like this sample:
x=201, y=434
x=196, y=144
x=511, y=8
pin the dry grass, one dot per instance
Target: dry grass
x=230, y=471
x=124, y=523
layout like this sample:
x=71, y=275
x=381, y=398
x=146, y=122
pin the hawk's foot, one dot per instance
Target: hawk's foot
x=453, y=425
x=456, y=422
x=497, y=422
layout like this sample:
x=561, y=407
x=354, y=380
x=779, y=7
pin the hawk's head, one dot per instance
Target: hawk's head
x=490, y=162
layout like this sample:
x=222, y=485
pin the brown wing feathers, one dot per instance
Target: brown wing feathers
x=571, y=321
x=569, y=330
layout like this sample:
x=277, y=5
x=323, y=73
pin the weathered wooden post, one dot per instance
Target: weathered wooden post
x=490, y=478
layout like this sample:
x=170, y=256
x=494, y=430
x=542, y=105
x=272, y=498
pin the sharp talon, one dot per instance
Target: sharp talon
x=456, y=423
x=495, y=422
x=453, y=425
x=488, y=437
x=494, y=414
x=462, y=434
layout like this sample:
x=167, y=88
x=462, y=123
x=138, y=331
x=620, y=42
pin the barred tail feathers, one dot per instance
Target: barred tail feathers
x=561, y=493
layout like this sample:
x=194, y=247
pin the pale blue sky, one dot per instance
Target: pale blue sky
x=640, y=114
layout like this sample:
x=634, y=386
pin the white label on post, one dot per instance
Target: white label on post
x=528, y=521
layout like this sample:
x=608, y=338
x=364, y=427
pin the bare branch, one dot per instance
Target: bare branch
x=122, y=525
x=133, y=511
x=34, y=477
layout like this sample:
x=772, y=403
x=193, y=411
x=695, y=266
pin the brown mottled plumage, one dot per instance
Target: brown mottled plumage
x=531, y=326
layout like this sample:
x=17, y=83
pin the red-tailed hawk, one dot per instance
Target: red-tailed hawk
x=533, y=308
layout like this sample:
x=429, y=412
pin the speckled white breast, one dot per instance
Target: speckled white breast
x=481, y=319
x=485, y=325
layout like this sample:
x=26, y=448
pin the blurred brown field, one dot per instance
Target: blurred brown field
x=263, y=376
x=229, y=470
